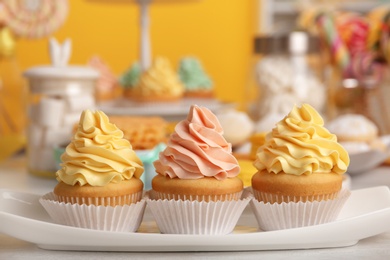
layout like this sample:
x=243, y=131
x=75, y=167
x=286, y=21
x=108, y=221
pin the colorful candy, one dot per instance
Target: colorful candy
x=339, y=52
x=35, y=19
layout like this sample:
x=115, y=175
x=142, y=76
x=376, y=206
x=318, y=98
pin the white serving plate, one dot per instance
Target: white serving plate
x=366, y=214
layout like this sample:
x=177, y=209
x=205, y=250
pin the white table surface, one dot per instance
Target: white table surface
x=14, y=176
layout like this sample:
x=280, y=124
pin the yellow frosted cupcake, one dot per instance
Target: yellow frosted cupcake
x=99, y=169
x=196, y=188
x=159, y=83
x=300, y=164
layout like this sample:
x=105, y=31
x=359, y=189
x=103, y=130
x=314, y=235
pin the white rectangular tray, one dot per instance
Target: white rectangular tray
x=366, y=214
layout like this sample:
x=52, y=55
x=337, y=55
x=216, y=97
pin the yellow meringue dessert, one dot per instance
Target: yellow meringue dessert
x=158, y=83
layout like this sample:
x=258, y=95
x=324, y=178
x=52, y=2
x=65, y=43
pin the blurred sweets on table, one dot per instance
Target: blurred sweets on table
x=35, y=19
x=12, y=93
x=107, y=85
x=196, y=82
x=58, y=93
x=284, y=76
x=356, y=47
x=356, y=133
x=148, y=137
x=238, y=129
x=143, y=133
x=237, y=126
x=130, y=79
x=158, y=83
x=30, y=20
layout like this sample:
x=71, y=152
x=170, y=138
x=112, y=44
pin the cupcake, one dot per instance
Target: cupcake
x=130, y=79
x=99, y=184
x=196, y=189
x=158, y=83
x=197, y=83
x=107, y=84
x=300, y=172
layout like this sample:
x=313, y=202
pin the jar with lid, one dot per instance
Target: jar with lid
x=57, y=96
x=284, y=77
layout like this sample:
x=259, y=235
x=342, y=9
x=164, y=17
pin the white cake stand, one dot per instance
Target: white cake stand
x=145, y=45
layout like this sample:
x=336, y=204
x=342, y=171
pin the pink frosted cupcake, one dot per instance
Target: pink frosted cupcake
x=196, y=190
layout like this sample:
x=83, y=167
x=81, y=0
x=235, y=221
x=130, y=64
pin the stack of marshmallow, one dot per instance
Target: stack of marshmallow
x=58, y=95
x=52, y=121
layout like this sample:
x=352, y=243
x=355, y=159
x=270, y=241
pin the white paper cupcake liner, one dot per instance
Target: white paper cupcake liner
x=125, y=218
x=118, y=200
x=166, y=196
x=275, y=198
x=197, y=217
x=297, y=214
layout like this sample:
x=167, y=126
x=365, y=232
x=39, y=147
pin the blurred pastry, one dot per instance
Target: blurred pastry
x=356, y=133
x=107, y=85
x=130, y=79
x=353, y=127
x=197, y=83
x=237, y=126
x=143, y=132
x=158, y=83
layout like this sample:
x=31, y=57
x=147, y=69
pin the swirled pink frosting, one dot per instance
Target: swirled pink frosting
x=198, y=149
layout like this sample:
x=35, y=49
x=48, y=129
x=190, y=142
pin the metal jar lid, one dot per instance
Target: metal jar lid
x=278, y=44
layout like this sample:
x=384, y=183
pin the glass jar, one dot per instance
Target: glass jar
x=57, y=96
x=285, y=77
x=366, y=96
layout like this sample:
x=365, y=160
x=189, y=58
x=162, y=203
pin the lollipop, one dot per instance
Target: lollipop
x=328, y=30
x=35, y=18
x=376, y=18
x=354, y=30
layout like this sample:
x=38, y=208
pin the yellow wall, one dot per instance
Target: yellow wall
x=218, y=32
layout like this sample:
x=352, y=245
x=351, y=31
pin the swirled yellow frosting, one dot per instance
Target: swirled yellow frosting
x=159, y=79
x=299, y=144
x=98, y=154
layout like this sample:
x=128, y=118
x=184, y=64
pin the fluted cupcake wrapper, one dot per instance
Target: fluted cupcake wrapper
x=104, y=201
x=297, y=214
x=125, y=218
x=197, y=217
x=166, y=196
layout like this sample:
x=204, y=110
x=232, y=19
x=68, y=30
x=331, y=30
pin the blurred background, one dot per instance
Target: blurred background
x=220, y=33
